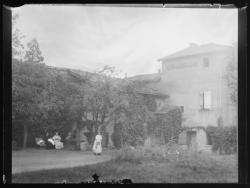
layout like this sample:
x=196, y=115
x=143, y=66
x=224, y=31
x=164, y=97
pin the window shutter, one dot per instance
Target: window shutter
x=207, y=100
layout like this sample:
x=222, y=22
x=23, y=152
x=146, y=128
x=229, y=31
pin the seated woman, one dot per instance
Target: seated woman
x=40, y=142
x=57, y=140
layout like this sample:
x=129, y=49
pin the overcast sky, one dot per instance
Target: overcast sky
x=129, y=38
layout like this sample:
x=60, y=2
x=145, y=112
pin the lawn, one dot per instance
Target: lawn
x=199, y=168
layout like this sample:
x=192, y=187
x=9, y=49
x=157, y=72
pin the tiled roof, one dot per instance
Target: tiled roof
x=195, y=49
x=150, y=90
x=146, y=77
x=152, y=93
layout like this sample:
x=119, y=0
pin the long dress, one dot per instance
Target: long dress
x=97, y=147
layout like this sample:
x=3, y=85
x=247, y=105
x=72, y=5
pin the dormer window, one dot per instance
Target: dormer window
x=205, y=62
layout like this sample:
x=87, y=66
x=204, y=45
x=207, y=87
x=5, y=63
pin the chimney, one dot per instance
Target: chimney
x=192, y=44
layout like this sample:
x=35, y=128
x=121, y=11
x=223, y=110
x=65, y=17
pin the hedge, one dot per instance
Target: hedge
x=224, y=139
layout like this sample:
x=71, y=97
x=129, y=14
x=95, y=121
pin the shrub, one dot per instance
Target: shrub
x=160, y=153
x=117, y=135
x=129, y=154
x=166, y=126
x=224, y=139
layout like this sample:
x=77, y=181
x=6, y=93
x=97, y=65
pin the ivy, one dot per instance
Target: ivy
x=224, y=139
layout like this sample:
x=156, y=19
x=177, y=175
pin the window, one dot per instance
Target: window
x=206, y=62
x=207, y=99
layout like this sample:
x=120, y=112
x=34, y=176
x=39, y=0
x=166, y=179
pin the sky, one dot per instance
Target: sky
x=129, y=38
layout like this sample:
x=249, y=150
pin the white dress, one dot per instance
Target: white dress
x=57, y=141
x=97, y=147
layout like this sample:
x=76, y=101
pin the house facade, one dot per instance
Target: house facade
x=195, y=78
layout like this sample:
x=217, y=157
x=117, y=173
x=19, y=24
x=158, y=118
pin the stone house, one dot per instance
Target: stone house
x=195, y=78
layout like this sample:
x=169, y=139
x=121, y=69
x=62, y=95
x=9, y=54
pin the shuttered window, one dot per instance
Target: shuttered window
x=207, y=100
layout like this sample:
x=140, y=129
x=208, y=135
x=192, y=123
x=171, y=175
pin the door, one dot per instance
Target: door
x=191, y=140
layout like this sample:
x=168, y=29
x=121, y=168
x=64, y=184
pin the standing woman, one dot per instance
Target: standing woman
x=97, y=147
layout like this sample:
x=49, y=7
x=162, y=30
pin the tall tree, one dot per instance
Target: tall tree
x=17, y=36
x=232, y=77
x=27, y=92
x=33, y=52
x=28, y=82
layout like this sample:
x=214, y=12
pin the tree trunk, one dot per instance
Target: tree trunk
x=25, y=135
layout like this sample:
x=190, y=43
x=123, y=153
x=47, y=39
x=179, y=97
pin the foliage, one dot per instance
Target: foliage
x=166, y=126
x=166, y=153
x=224, y=139
x=130, y=115
x=117, y=135
x=27, y=93
x=232, y=76
x=17, y=36
x=33, y=53
x=129, y=154
x=48, y=100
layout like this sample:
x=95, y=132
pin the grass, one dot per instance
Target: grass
x=190, y=168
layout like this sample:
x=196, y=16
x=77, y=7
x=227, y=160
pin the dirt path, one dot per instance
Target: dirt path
x=33, y=160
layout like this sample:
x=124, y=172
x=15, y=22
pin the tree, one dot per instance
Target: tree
x=27, y=95
x=28, y=84
x=232, y=75
x=17, y=36
x=131, y=115
x=98, y=100
x=33, y=53
x=232, y=78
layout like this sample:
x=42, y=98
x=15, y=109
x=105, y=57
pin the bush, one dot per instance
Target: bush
x=117, y=135
x=166, y=126
x=224, y=139
x=128, y=134
x=160, y=153
x=129, y=154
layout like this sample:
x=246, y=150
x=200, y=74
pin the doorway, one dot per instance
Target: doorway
x=191, y=140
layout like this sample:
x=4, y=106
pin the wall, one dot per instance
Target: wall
x=184, y=83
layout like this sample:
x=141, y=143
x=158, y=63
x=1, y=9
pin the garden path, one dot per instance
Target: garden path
x=40, y=159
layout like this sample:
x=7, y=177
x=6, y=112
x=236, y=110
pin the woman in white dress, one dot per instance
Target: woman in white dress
x=97, y=147
x=57, y=140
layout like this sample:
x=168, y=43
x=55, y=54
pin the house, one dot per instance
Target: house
x=195, y=78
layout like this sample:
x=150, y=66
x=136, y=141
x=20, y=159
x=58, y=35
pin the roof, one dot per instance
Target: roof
x=195, y=49
x=146, y=77
x=165, y=109
x=151, y=91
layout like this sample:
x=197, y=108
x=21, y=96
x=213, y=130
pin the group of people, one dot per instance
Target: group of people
x=50, y=142
x=55, y=143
